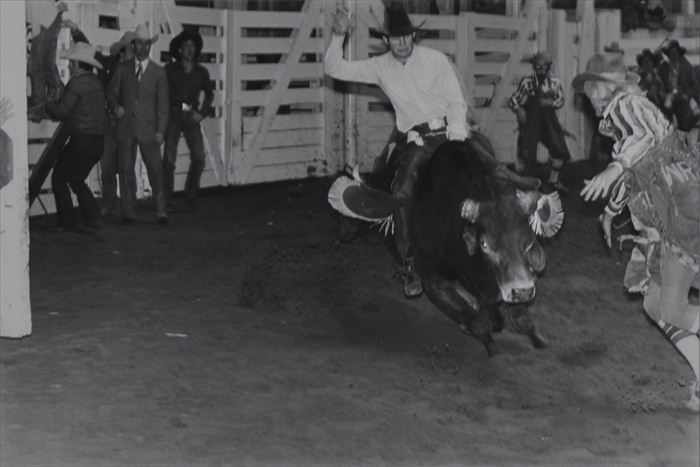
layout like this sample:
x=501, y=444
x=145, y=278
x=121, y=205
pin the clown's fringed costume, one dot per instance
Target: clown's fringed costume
x=660, y=183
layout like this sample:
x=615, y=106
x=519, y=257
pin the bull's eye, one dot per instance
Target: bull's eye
x=484, y=245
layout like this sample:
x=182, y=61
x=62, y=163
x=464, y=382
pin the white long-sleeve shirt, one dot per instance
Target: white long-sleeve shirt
x=424, y=89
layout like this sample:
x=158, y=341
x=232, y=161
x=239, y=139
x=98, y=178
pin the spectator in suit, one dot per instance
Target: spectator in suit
x=191, y=95
x=138, y=93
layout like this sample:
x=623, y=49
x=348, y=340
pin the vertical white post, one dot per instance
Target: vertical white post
x=513, y=7
x=349, y=104
x=15, y=310
x=688, y=7
x=334, y=118
x=586, y=49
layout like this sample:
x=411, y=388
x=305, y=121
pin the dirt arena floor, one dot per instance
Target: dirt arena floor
x=245, y=334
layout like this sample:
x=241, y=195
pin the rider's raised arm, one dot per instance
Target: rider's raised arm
x=361, y=71
x=456, y=104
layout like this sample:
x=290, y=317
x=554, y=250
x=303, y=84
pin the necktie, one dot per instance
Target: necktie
x=139, y=71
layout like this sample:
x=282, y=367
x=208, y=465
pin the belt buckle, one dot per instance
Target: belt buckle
x=436, y=124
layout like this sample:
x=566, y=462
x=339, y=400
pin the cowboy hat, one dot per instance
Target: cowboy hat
x=541, y=58
x=82, y=52
x=125, y=40
x=396, y=22
x=600, y=68
x=141, y=34
x=674, y=45
x=184, y=36
x=613, y=48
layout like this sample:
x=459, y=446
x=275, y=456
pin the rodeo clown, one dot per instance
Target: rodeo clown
x=535, y=103
x=427, y=98
x=657, y=175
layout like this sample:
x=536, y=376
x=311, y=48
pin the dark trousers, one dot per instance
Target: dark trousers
x=542, y=125
x=684, y=114
x=408, y=160
x=126, y=156
x=109, y=164
x=195, y=143
x=74, y=164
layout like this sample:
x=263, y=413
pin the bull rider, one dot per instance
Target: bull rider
x=428, y=101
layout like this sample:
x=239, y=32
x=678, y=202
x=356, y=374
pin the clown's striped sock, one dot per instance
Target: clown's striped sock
x=687, y=343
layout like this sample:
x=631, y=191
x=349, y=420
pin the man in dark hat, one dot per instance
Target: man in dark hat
x=427, y=99
x=681, y=90
x=191, y=95
x=535, y=103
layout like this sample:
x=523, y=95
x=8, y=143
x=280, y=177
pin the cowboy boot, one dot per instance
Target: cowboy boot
x=412, y=285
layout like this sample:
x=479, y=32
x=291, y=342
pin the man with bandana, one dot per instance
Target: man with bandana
x=535, y=103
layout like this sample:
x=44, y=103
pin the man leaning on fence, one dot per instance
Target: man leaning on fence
x=427, y=99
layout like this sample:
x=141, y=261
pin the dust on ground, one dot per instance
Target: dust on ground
x=246, y=334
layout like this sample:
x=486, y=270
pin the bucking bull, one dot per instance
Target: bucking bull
x=473, y=228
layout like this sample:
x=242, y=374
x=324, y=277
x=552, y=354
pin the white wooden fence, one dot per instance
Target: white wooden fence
x=278, y=117
x=276, y=120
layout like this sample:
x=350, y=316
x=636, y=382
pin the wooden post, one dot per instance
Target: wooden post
x=334, y=128
x=688, y=7
x=586, y=49
x=15, y=309
x=234, y=118
x=513, y=7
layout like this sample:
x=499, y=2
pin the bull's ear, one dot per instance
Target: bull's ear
x=528, y=200
x=470, y=239
x=469, y=210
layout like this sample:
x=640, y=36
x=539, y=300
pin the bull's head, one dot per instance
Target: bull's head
x=503, y=232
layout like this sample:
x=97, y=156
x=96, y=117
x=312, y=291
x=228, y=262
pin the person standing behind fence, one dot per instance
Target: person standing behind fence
x=82, y=108
x=119, y=52
x=138, y=93
x=535, y=102
x=191, y=95
x=681, y=89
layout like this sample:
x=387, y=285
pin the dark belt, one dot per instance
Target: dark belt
x=423, y=129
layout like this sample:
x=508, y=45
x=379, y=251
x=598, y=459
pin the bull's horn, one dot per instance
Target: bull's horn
x=469, y=210
x=548, y=217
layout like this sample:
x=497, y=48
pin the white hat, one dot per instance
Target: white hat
x=141, y=33
x=82, y=52
x=126, y=39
